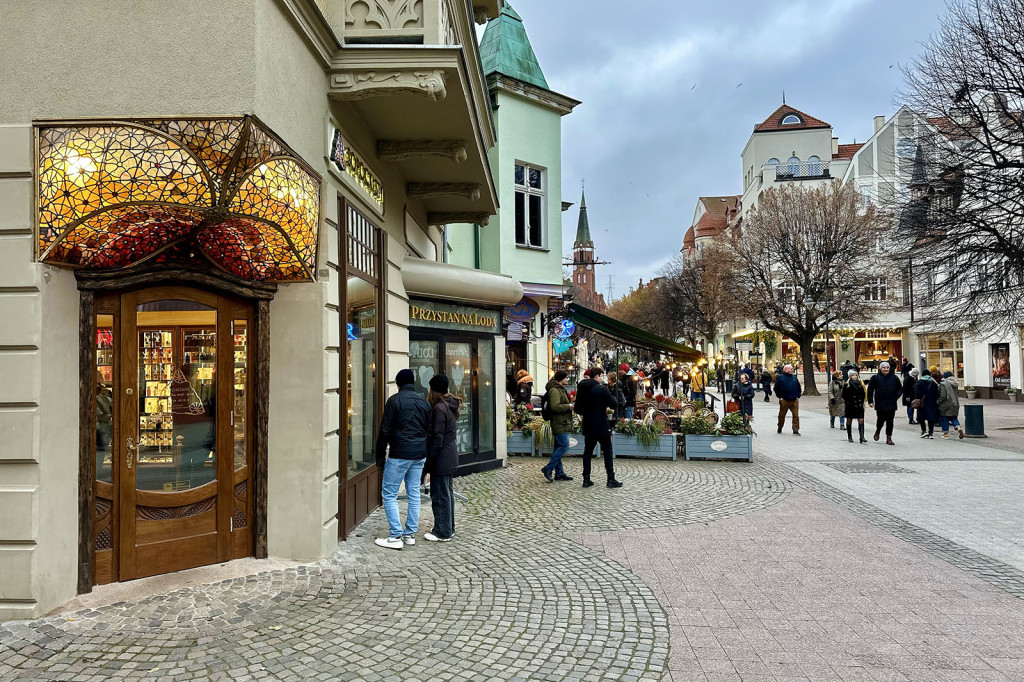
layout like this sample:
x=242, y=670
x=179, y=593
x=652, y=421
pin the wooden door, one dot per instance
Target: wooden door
x=181, y=447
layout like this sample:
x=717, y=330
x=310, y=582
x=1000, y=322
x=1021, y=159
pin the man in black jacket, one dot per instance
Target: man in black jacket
x=884, y=393
x=402, y=438
x=592, y=401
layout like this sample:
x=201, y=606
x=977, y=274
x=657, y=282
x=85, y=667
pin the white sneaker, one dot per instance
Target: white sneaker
x=945, y=436
x=409, y=539
x=389, y=543
x=430, y=537
x=924, y=435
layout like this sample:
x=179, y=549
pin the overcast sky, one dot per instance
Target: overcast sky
x=649, y=143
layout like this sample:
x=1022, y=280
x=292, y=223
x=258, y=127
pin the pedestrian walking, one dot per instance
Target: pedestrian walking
x=836, y=404
x=524, y=388
x=905, y=367
x=787, y=389
x=853, y=396
x=926, y=399
x=698, y=384
x=766, y=384
x=745, y=398
x=401, y=453
x=909, y=384
x=949, y=404
x=592, y=402
x=884, y=393
x=665, y=380
x=556, y=408
x=442, y=458
x=627, y=385
x=720, y=374
x=845, y=369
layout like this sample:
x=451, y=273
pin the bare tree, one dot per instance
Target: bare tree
x=804, y=258
x=965, y=218
x=696, y=292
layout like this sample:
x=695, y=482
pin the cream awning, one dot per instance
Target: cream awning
x=456, y=283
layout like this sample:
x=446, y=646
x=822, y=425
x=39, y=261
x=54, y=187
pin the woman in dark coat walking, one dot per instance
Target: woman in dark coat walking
x=854, y=395
x=927, y=391
x=442, y=458
x=908, y=393
x=745, y=397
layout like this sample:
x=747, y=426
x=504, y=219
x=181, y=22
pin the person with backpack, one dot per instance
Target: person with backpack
x=442, y=458
x=556, y=409
x=592, y=402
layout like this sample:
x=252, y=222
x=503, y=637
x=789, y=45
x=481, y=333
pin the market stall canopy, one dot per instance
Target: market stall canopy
x=630, y=335
x=455, y=283
x=114, y=193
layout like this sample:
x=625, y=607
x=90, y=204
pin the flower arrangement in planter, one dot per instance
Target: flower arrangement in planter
x=645, y=434
x=971, y=391
x=1011, y=394
x=635, y=438
x=731, y=439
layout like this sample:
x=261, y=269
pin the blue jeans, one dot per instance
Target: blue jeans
x=910, y=413
x=946, y=421
x=629, y=412
x=697, y=395
x=561, y=447
x=396, y=471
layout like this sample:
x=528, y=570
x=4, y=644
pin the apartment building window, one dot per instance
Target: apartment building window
x=814, y=165
x=876, y=290
x=530, y=195
x=786, y=293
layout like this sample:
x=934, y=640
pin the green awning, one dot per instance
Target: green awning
x=630, y=335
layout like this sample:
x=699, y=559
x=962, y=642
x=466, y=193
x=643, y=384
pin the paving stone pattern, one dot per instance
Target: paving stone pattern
x=510, y=599
x=868, y=468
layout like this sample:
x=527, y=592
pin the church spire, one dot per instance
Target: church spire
x=583, y=227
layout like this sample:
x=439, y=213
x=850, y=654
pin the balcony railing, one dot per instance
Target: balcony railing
x=410, y=22
x=802, y=171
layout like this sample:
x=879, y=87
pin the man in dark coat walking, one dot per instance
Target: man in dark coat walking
x=884, y=393
x=592, y=402
x=787, y=389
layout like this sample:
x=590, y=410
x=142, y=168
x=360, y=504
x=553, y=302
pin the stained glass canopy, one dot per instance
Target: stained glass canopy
x=112, y=194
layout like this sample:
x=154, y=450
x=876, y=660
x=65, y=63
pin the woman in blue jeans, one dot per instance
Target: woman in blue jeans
x=561, y=425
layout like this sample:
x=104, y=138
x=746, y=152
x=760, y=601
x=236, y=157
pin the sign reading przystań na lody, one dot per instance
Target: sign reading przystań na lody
x=436, y=315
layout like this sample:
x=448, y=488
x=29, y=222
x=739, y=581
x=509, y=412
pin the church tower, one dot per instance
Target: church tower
x=584, y=278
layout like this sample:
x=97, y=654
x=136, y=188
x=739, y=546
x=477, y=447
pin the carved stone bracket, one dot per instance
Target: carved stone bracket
x=402, y=150
x=449, y=218
x=363, y=84
x=441, y=190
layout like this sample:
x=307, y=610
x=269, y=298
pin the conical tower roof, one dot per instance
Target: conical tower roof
x=505, y=49
x=583, y=227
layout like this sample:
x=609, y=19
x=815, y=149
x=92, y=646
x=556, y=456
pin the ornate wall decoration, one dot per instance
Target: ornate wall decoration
x=363, y=15
x=114, y=193
x=355, y=85
x=440, y=190
x=403, y=150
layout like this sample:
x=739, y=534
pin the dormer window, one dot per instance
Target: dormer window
x=791, y=120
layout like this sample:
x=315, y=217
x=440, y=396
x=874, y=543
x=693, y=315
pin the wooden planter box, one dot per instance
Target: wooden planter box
x=738, y=448
x=628, y=446
x=518, y=444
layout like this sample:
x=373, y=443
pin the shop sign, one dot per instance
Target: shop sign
x=747, y=346
x=1000, y=353
x=438, y=315
x=524, y=311
x=351, y=164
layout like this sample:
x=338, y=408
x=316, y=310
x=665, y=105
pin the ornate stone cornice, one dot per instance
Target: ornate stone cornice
x=449, y=218
x=359, y=84
x=546, y=98
x=402, y=150
x=441, y=190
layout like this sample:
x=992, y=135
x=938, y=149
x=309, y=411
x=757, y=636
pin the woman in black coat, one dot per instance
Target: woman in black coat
x=854, y=395
x=442, y=458
x=927, y=391
x=908, y=393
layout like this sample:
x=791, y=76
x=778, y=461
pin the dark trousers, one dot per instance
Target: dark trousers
x=605, y=441
x=885, y=418
x=767, y=388
x=442, y=503
x=927, y=425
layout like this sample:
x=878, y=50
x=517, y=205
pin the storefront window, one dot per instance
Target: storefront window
x=486, y=390
x=362, y=375
x=423, y=363
x=459, y=368
x=945, y=351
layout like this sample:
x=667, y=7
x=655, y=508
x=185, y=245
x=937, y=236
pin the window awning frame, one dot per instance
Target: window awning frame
x=629, y=335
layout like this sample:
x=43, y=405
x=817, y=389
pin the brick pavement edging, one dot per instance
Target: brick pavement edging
x=992, y=571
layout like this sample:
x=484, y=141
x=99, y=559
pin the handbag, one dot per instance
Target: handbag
x=732, y=406
x=916, y=403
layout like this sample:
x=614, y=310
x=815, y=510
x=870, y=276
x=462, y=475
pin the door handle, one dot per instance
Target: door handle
x=129, y=456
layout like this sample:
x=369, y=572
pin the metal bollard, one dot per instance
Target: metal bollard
x=974, y=421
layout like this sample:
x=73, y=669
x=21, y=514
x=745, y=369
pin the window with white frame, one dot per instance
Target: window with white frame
x=531, y=230
x=876, y=290
x=814, y=165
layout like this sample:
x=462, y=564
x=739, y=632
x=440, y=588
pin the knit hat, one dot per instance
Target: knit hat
x=624, y=367
x=946, y=375
x=439, y=383
x=405, y=377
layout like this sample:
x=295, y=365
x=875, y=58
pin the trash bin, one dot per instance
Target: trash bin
x=728, y=385
x=974, y=421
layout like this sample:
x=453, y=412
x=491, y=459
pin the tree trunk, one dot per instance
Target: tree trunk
x=807, y=360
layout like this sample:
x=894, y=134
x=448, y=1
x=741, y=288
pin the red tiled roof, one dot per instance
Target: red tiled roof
x=718, y=210
x=774, y=122
x=689, y=239
x=846, y=151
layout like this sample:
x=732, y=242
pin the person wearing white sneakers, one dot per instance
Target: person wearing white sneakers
x=442, y=458
x=401, y=452
x=949, y=404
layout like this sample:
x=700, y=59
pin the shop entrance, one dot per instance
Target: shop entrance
x=173, y=448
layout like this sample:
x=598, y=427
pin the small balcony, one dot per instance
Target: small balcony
x=802, y=171
x=405, y=22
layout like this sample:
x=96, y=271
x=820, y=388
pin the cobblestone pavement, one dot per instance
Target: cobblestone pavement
x=509, y=600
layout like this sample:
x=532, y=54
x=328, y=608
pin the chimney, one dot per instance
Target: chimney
x=879, y=122
x=835, y=146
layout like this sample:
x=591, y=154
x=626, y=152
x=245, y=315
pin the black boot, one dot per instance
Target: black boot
x=849, y=431
x=860, y=428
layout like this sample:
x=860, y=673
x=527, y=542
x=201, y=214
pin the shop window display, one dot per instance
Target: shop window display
x=362, y=383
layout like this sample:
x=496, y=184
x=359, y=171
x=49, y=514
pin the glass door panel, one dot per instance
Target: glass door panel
x=423, y=363
x=105, y=398
x=241, y=402
x=485, y=390
x=362, y=378
x=459, y=368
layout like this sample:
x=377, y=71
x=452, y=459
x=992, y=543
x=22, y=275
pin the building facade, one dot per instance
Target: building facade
x=266, y=211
